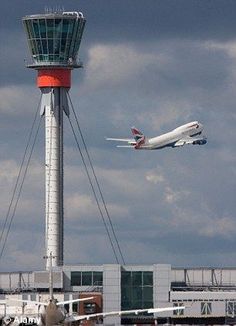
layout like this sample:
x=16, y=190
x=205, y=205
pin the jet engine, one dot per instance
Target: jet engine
x=200, y=142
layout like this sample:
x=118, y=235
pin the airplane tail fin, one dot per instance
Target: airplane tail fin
x=138, y=136
x=136, y=132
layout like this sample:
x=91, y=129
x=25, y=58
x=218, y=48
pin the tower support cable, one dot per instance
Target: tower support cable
x=97, y=182
x=19, y=172
x=94, y=192
x=17, y=186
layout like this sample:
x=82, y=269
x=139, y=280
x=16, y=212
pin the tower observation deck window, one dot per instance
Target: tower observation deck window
x=54, y=38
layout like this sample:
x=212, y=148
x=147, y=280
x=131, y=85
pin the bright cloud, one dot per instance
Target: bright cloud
x=113, y=64
x=17, y=100
x=154, y=178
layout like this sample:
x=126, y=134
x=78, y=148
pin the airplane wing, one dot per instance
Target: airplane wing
x=127, y=140
x=62, y=303
x=136, y=142
x=130, y=141
x=120, y=313
x=37, y=303
x=201, y=140
x=125, y=146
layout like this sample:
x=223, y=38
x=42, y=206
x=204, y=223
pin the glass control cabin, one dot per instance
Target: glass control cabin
x=54, y=39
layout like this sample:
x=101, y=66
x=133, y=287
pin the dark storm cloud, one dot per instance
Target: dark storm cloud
x=117, y=21
x=129, y=19
x=12, y=59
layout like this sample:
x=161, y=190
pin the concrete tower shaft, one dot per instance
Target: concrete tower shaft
x=53, y=104
x=54, y=41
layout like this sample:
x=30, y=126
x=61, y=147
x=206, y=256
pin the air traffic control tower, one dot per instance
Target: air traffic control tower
x=54, y=41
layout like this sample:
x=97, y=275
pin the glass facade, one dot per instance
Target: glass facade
x=54, y=39
x=136, y=290
x=86, y=278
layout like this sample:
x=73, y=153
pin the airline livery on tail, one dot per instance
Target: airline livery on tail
x=189, y=133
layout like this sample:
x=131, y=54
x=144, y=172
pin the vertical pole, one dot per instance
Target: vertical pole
x=50, y=277
x=54, y=177
x=50, y=281
x=61, y=180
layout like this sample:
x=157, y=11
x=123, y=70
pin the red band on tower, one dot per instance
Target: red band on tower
x=54, y=78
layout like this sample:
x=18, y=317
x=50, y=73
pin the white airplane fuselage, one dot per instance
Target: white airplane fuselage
x=170, y=139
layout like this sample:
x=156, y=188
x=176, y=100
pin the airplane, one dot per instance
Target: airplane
x=189, y=133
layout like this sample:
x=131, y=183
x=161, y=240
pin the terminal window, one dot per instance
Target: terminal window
x=136, y=290
x=86, y=278
x=231, y=308
x=178, y=312
x=206, y=308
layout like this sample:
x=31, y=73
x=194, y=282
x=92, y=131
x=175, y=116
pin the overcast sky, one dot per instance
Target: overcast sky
x=153, y=64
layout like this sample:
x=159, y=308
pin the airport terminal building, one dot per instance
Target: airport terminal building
x=209, y=294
